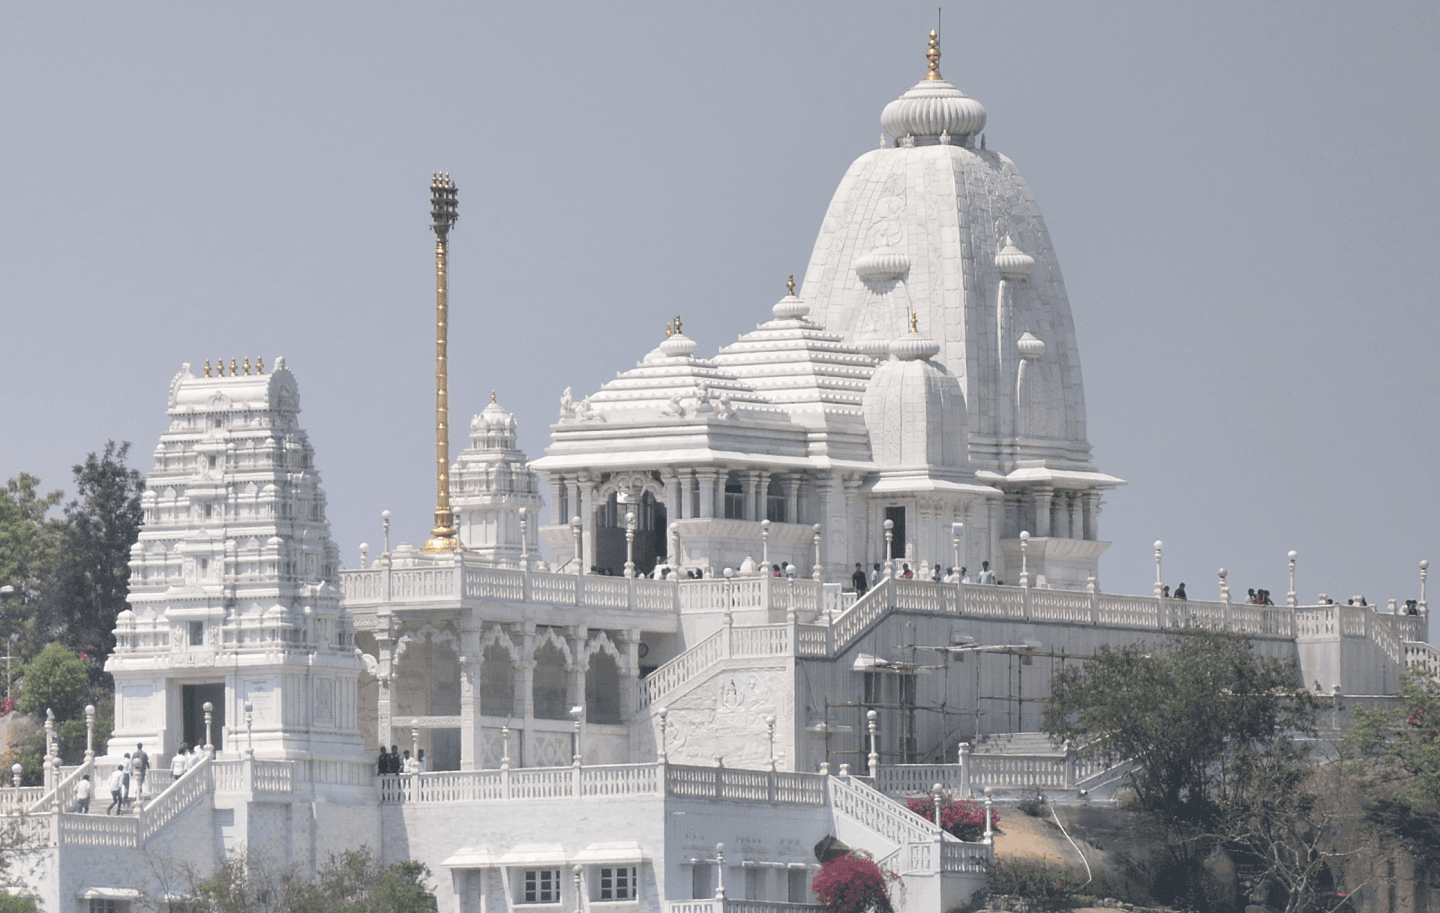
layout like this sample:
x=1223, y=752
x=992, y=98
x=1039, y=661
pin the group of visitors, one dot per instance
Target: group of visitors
x=1178, y=594
x=862, y=584
x=1259, y=597
x=392, y=762
x=131, y=771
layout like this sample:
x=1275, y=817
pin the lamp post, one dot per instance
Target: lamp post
x=770, y=728
x=874, y=759
x=577, y=713
x=385, y=528
x=989, y=837
x=725, y=615
x=817, y=574
x=765, y=544
x=1024, y=559
x=575, y=534
x=89, y=733
x=579, y=872
x=505, y=746
x=1224, y=587
x=957, y=533
x=938, y=792
x=1159, y=586
x=250, y=729
x=720, y=871
x=889, y=539
x=1290, y=599
x=16, y=772
x=209, y=709
x=630, y=543
x=664, y=714
x=1424, y=570
x=673, y=559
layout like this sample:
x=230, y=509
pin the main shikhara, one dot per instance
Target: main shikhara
x=599, y=717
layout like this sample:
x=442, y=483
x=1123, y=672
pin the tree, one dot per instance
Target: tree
x=93, y=576
x=353, y=882
x=29, y=549
x=1199, y=714
x=56, y=680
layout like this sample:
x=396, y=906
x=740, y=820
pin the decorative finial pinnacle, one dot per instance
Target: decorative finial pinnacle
x=259, y=364
x=669, y=330
x=933, y=55
x=232, y=368
x=914, y=326
x=677, y=324
x=790, y=285
x=492, y=396
x=207, y=367
x=247, y=365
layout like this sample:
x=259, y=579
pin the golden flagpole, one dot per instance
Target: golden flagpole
x=443, y=211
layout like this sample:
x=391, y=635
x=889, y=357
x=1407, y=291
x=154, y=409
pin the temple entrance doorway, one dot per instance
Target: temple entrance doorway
x=192, y=709
x=651, y=522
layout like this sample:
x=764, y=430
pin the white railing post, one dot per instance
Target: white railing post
x=964, y=761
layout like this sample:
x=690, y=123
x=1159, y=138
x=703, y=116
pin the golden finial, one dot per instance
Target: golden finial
x=790, y=285
x=232, y=367
x=247, y=365
x=669, y=330
x=259, y=364
x=914, y=328
x=207, y=367
x=492, y=396
x=933, y=55
x=677, y=324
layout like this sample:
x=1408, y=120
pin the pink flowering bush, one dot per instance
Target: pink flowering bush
x=853, y=884
x=964, y=819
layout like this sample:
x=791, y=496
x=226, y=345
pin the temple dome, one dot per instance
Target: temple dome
x=933, y=108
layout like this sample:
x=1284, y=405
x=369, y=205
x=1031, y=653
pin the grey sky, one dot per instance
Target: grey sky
x=1242, y=197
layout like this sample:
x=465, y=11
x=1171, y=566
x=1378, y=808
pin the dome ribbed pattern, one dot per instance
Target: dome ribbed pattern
x=931, y=108
x=1012, y=262
x=881, y=264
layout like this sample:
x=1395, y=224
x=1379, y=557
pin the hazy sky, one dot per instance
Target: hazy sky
x=1243, y=198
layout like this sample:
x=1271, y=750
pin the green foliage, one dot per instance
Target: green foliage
x=29, y=540
x=353, y=882
x=10, y=904
x=1185, y=711
x=92, y=579
x=56, y=680
x=1037, y=881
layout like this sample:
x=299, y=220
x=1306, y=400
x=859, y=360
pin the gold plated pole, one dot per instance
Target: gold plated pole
x=443, y=210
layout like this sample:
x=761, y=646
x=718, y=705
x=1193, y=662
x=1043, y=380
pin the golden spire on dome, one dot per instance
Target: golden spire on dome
x=914, y=327
x=677, y=325
x=492, y=396
x=790, y=285
x=259, y=364
x=933, y=55
x=669, y=330
x=207, y=367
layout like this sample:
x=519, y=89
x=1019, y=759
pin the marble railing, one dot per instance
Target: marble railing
x=925, y=858
x=879, y=814
x=380, y=585
x=740, y=906
x=604, y=780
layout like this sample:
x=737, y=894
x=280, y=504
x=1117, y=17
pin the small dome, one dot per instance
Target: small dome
x=877, y=349
x=934, y=107
x=678, y=346
x=1030, y=346
x=493, y=418
x=1013, y=262
x=881, y=264
x=913, y=347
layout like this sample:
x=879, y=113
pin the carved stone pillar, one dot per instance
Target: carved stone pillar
x=525, y=694
x=385, y=639
x=1043, y=495
x=679, y=499
x=762, y=496
x=792, y=498
x=1091, y=507
x=579, y=664
x=586, y=512
x=705, y=480
x=471, y=750
x=749, y=479
x=1075, y=515
x=850, y=548
x=996, y=509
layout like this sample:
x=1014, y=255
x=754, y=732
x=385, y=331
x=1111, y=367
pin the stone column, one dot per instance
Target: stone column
x=834, y=517
x=705, y=480
x=385, y=639
x=672, y=501
x=1076, y=516
x=680, y=478
x=525, y=694
x=1043, y=495
x=471, y=733
x=1091, y=508
x=845, y=551
x=792, y=498
x=996, y=509
x=579, y=665
x=747, y=484
x=586, y=512
x=762, y=496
